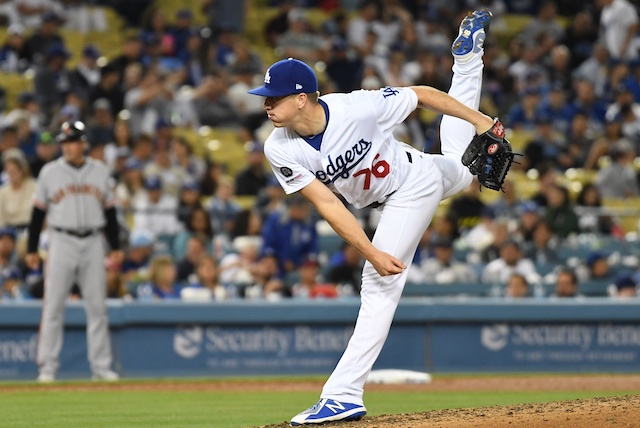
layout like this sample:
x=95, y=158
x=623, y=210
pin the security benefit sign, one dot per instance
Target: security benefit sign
x=545, y=347
x=193, y=349
x=18, y=354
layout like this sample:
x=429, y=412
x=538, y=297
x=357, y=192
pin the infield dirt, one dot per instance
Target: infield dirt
x=621, y=411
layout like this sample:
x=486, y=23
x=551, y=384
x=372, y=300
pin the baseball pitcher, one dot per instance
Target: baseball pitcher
x=343, y=143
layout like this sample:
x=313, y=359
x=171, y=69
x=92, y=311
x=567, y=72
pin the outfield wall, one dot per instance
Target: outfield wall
x=160, y=339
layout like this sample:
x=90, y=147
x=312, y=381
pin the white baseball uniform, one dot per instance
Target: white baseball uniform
x=75, y=200
x=360, y=159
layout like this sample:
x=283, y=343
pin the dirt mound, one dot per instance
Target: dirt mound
x=623, y=411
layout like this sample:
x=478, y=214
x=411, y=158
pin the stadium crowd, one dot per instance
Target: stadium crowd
x=566, y=83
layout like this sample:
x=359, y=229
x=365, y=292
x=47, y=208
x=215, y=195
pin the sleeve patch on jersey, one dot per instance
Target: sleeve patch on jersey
x=287, y=172
x=291, y=180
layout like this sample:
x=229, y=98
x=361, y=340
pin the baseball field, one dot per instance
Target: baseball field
x=448, y=401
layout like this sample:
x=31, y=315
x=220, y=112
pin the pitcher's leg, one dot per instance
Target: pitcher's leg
x=401, y=225
x=466, y=86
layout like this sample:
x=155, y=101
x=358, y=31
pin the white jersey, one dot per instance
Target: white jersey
x=74, y=198
x=359, y=158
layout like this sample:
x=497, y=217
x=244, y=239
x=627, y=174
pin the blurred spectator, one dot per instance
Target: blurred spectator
x=182, y=155
x=188, y=200
x=83, y=17
x=344, y=67
x=481, y=235
x=507, y=205
x=443, y=268
x=131, y=54
x=517, y=287
x=554, y=105
x=544, y=30
x=591, y=219
x=585, y=100
x=130, y=189
x=595, y=68
x=87, y=74
x=100, y=126
x=252, y=179
x=9, y=138
x=15, y=195
x=246, y=223
x=46, y=151
x=566, y=284
x=346, y=273
x=266, y=282
x=542, y=249
x=162, y=278
x=108, y=88
x=522, y=116
x=560, y=213
x=222, y=14
x=171, y=174
x=45, y=36
x=500, y=235
x=250, y=107
x=115, y=284
x=360, y=25
x=196, y=247
x=547, y=145
x=7, y=248
x=619, y=179
x=559, y=71
x=154, y=27
x=547, y=177
x=308, y=286
x=136, y=262
x=181, y=30
x=212, y=175
x=222, y=208
x=143, y=149
x=211, y=104
x=14, y=54
x=624, y=287
x=580, y=38
x=198, y=224
x=238, y=267
x=206, y=278
x=279, y=24
x=619, y=23
x=300, y=41
x=597, y=267
x=149, y=101
x=467, y=208
x=291, y=236
x=52, y=81
x=271, y=198
x=628, y=110
x=155, y=211
x=13, y=287
x=510, y=261
x=9, y=12
x=580, y=142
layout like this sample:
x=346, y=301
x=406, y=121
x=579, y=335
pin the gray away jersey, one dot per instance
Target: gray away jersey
x=74, y=198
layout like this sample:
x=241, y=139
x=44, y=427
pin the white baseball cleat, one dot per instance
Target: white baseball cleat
x=105, y=375
x=46, y=378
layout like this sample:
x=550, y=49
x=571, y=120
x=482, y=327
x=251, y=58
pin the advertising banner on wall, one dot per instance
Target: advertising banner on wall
x=512, y=347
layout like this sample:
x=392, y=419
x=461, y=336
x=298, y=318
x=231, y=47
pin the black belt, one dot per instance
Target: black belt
x=77, y=233
x=378, y=204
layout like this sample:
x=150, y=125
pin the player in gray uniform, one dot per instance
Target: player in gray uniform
x=75, y=193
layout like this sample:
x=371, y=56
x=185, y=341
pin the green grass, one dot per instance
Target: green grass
x=32, y=408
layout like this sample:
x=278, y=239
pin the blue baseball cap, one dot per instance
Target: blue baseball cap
x=153, y=183
x=8, y=231
x=286, y=77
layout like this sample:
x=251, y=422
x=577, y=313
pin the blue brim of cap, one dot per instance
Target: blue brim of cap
x=266, y=92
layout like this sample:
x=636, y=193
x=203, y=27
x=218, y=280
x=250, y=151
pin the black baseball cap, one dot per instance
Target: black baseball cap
x=286, y=77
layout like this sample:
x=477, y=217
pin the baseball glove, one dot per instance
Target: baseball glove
x=489, y=156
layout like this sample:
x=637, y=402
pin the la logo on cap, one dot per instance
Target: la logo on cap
x=267, y=77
